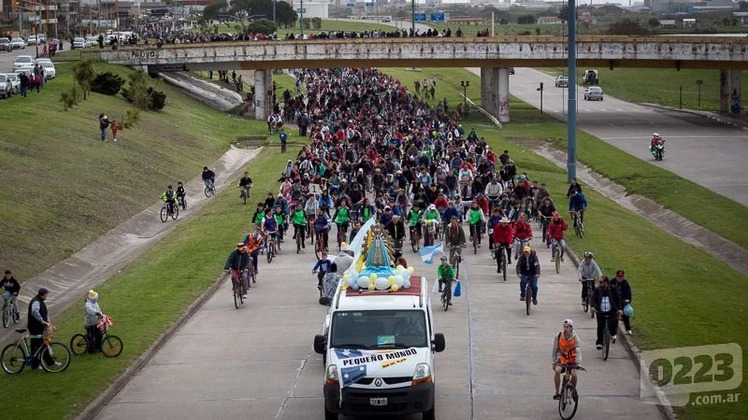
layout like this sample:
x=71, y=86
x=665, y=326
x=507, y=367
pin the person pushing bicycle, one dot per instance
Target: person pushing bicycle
x=566, y=350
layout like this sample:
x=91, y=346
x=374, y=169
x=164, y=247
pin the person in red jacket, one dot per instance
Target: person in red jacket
x=556, y=229
x=503, y=235
x=522, y=232
x=482, y=202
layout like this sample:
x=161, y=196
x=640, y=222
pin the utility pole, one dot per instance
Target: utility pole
x=302, y=19
x=571, y=160
x=413, y=16
x=540, y=89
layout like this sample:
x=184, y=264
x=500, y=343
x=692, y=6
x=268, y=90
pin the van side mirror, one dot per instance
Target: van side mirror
x=320, y=344
x=438, y=343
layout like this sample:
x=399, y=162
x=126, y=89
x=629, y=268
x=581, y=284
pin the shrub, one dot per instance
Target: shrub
x=158, y=99
x=132, y=115
x=263, y=26
x=107, y=83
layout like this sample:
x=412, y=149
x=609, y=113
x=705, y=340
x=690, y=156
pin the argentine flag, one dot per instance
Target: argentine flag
x=347, y=353
x=427, y=252
x=350, y=375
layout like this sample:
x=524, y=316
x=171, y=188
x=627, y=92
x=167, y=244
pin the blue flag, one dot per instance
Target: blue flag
x=427, y=253
x=350, y=375
x=347, y=353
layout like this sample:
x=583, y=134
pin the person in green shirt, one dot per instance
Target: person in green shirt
x=446, y=274
x=259, y=215
x=280, y=218
x=475, y=218
x=341, y=218
x=298, y=219
x=432, y=220
x=414, y=220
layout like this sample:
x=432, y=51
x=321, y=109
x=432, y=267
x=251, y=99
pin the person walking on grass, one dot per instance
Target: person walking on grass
x=103, y=125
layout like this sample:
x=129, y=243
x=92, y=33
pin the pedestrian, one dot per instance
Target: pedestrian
x=624, y=292
x=91, y=316
x=103, y=125
x=114, y=127
x=38, y=322
x=24, y=83
x=283, y=139
x=345, y=258
x=37, y=83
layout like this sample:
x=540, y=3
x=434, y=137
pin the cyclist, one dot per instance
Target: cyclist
x=322, y=225
x=454, y=235
x=253, y=242
x=476, y=218
x=321, y=268
x=342, y=217
x=546, y=208
x=12, y=289
x=280, y=219
x=503, y=235
x=259, y=215
x=522, y=232
x=578, y=203
x=270, y=226
x=181, y=192
x=237, y=265
x=91, y=316
x=574, y=186
x=298, y=219
x=446, y=274
x=556, y=229
x=624, y=291
x=431, y=217
x=311, y=206
x=493, y=220
x=528, y=269
x=170, y=198
x=566, y=350
x=414, y=220
x=209, y=177
x=245, y=183
x=588, y=270
x=606, y=301
x=494, y=190
x=656, y=141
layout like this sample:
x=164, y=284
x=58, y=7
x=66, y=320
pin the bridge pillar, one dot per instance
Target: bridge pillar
x=503, y=105
x=736, y=103
x=263, y=94
x=724, y=92
x=486, y=89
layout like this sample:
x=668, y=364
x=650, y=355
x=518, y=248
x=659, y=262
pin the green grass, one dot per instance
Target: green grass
x=694, y=202
x=679, y=291
x=63, y=188
x=143, y=301
x=662, y=86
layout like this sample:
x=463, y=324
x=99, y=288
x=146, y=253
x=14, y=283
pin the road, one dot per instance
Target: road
x=699, y=149
x=257, y=362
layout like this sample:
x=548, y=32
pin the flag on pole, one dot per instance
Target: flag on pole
x=427, y=253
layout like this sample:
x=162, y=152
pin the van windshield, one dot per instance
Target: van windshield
x=379, y=329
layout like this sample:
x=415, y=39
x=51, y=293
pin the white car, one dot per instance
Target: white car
x=49, y=68
x=92, y=40
x=23, y=62
x=5, y=44
x=31, y=40
x=15, y=82
x=17, y=43
x=79, y=42
x=6, y=88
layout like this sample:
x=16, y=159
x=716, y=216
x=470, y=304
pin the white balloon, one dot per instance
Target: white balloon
x=363, y=282
x=407, y=283
x=381, y=283
x=352, y=281
x=399, y=281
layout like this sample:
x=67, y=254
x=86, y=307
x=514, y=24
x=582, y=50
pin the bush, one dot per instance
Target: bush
x=262, y=26
x=107, y=83
x=158, y=99
x=131, y=117
x=70, y=98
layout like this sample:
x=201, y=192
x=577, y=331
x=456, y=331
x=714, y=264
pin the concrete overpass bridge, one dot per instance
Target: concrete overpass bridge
x=492, y=55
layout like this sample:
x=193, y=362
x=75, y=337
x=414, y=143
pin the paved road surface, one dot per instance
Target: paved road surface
x=257, y=362
x=699, y=149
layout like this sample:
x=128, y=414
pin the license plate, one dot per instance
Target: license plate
x=378, y=402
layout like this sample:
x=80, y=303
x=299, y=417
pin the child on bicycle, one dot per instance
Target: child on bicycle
x=321, y=268
x=476, y=218
x=298, y=219
x=181, y=193
x=414, y=220
x=170, y=198
x=12, y=289
x=446, y=274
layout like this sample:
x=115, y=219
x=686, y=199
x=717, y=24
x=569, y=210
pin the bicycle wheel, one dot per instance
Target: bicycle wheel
x=175, y=213
x=475, y=244
x=414, y=242
x=60, y=356
x=78, y=344
x=445, y=301
x=581, y=230
x=234, y=293
x=567, y=404
x=528, y=297
x=606, y=341
x=6, y=317
x=208, y=192
x=586, y=304
x=13, y=358
x=111, y=346
x=244, y=199
x=457, y=267
x=503, y=265
x=318, y=249
x=164, y=215
x=298, y=242
x=557, y=260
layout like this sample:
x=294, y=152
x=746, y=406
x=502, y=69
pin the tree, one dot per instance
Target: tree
x=653, y=23
x=262, y=26
x=563, y=14
x=526, y=19
x=214, y=9
x=627, y=27
x=84, y=74
x=743, y=6
x=285, y=15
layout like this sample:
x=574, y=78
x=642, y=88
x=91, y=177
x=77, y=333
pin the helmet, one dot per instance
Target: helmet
x=569, y=322
x=655, y=135
x=628, y=311
x=588, y=254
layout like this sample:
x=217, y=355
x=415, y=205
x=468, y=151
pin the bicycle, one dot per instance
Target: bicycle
x=182, y=202
x=429, y=234
x=578, y=225
x=446, y=297
x=522, y=244
x=236, y=289
x=244, y=194
x=589, y=284
x=320, y=245
x=569, y=401
x=544, y=222
x=299, y=237
x=310, y=227
x=500, y=254
x=455, y=258
x=415, y=239
x=556, y=252
x=341, y=234
x=169, y=210
x=210, y=188
x=475, y=233
x=8, y=312
x=271, y=250
x=606, y=336
x=111, y=345
x=528, y=296
x=54, y=357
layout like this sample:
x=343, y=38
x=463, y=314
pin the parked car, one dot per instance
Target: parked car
x=23, y=62
x=31, y=40
x=18, y=43
x=562, y=81
x=5, y=44
x=49, y=68
x=79, y=42
x=593, y=93
x=92, y=40
x=6, y=88
x=15, y=82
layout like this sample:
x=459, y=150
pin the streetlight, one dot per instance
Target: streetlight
x=465, y=84
x=540, y=89
x=413, y=17
x=699, y=83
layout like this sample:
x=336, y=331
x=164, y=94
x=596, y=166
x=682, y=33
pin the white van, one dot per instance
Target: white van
x=378, y=348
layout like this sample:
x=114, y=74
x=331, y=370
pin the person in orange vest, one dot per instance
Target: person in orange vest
x=566, y=350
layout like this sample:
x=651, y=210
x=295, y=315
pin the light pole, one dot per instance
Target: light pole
x=699, y=83
x=540, y=89
x=273, y=11
x=571, y=152
x=465, y=84
x=413, y=17
x=301, y=10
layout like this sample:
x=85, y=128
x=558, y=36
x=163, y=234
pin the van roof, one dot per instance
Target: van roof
x=412, y=297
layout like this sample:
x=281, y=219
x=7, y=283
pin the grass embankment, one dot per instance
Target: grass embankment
x=661, y=86
x=694, y=202
x=682, y=295
x=144, y=301
x=63, y=188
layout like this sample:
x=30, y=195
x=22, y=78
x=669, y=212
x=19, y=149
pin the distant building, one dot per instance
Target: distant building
x=742, y=17
x=687, y=6
x=549, y=20
x=314, y=9
x=667, y=23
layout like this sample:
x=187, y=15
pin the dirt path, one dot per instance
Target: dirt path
x=69, y=280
